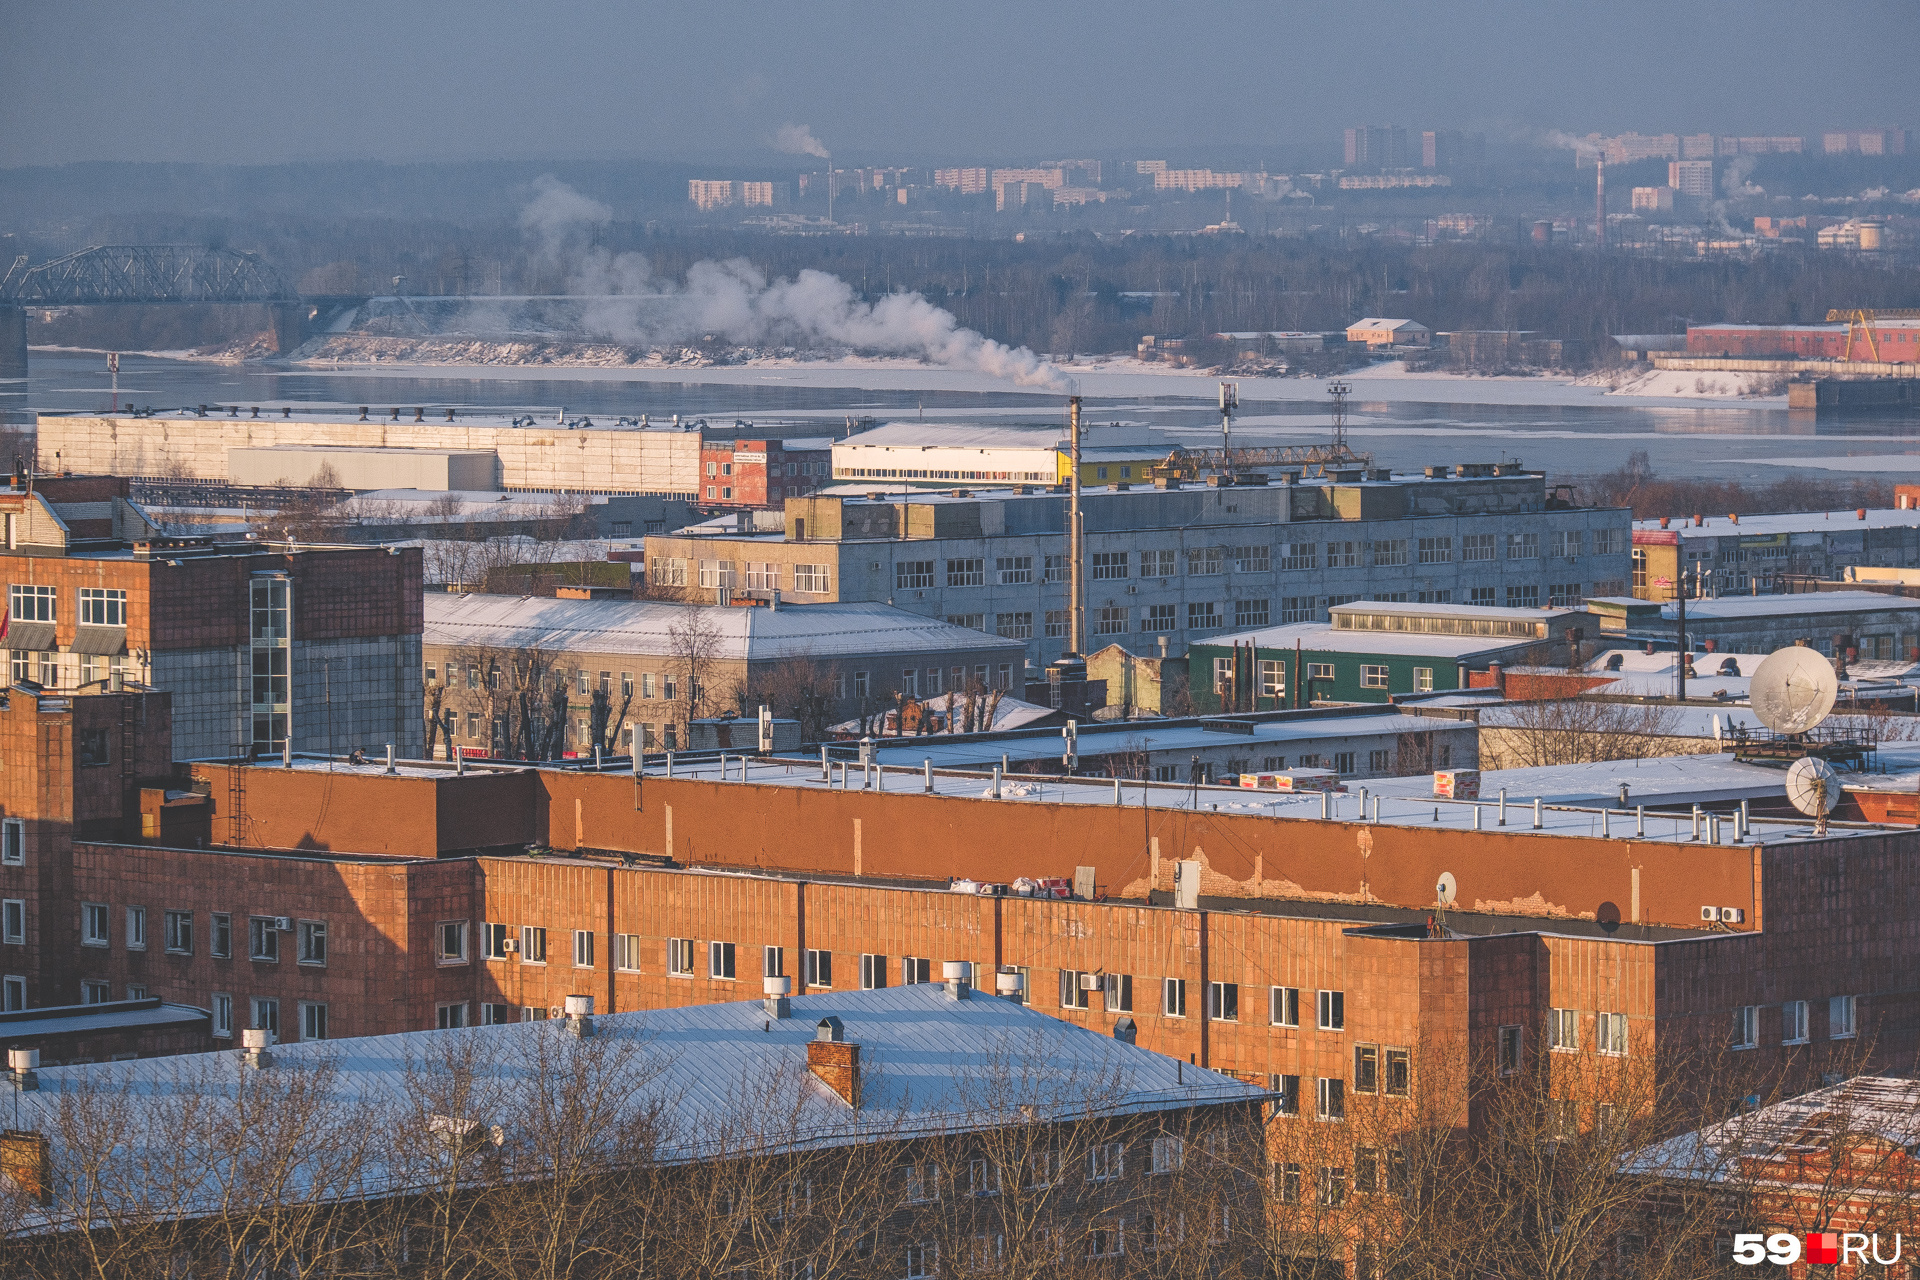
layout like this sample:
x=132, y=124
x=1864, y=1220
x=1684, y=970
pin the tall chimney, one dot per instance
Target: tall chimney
x=835, y=1060
x=1600, y=203
x=1076, y=534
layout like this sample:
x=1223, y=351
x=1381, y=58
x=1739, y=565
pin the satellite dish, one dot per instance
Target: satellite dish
x=1813, y=786
x=1446, y=889
x=1793, y=690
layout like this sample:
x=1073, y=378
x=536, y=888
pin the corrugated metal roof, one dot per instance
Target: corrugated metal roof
x=1325, y=638
x=645, y=628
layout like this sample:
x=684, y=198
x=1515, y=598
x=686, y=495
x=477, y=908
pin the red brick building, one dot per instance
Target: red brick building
x=762, y=473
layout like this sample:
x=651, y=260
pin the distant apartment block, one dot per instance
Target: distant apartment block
x=1760, y=146
x=1653, y=199
x=1149, y=166
x=1195, y=180
x=1387, y=181
x=1378, y=147
x=708, y=194
x=1866, y=142
x=1628, y=147
x=968, y=182
x=1026, y=186
x=764, y=195
x=1774, y=228
x=1445, y=148
x=1691, y=178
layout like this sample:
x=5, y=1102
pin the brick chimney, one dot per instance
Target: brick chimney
x=26, y=1158
x=835, y=1060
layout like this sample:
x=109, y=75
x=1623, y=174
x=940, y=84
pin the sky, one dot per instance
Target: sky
x=269, y=82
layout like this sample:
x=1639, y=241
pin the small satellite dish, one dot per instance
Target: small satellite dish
x=1793, y=690
x=1446, y=890
x=1813, y=786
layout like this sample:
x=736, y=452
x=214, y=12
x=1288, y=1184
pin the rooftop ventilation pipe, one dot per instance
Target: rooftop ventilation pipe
x=390, y=768
x=579, y=1016
x=957, y=974
x=775, y=992
x=1009, y=985
x=23, y=1064
x=253, y=1048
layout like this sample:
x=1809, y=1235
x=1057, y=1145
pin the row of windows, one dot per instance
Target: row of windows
x=178, y=932
x=99, y=606
x=774, y=469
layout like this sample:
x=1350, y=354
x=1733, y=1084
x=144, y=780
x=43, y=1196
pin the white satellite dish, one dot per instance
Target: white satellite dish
x=1813, y=787
x=1793, y=690
x=1447, y=889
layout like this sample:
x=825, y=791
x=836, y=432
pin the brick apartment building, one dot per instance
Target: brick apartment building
x=241, y=633
x=328, y=899
x=762, y=473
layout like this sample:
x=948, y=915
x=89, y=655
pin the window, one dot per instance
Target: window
x=313, y=1020
x=680, y=957
x=1112, y=620
x=1118, y=992
x=1330, y=1101
x=1523, y=546
x=103, y=607
x=1013, y=571
x=220, y=943
x=266, y=1017
x=1302, y=555
x=773, y=962
x=1343, y=762
x=1223, y=1001
x=1366, y=1068
x=1841, y=1010
x=626, y=952
x=1106, y=1161
x=313, y=942
x=1608, y=542
x=1204, y=562
x=763, y=575
x=1610, y=1034
x=819, y=968
x=1509, y=1051
x=915, y=970
x=13, y=842
x=1252, y=559
x=1746, y=1026
x=1056, y=623
x=136, y=991
x=1436, y=550
x=1013, y=626
x=1073, y=995
x=1055, y=569
x=1563, y=1030
x=1389, y=551
x=1332, y=1010
x=496, y=941
x=913, y=575
x=1523, y=597
x=1158, y=619
x=714, y=573
x=446, y=1017
x=93, y=925
x=1366, y=1169
x=720, y=960
x=94, y=992
x=13, y=921
x=533, y=945
x=873, y=972
x=495, y=1015
x=222, y=1015
x=450, y=942
x=923, y=1259
x=1158, y=564
x=1566, y=543
x=1399, y=1063
x=1251, y=613
x=815, y=579
x=1203, y=616
x=136, y=928
x=983, y=1178
x=1286, y=1091
x=1481, y=596
x=1286, y=1179
x=1283, y=1006
x=31, y=604
x=1564, y=595
x=1373, y=677
x=1379, y=761
x=922, y=1183
x=1793, y=1022
x=1477, y=546
x=969, y=571
x=1167, y=1154
x=1173, y=997
x=583, y=948
x=910, y=682
x=1110, y=564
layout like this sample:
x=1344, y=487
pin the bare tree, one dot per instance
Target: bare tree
x=1574, y=731
x=693, y=646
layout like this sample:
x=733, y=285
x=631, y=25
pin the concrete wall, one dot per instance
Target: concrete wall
x=430, y=469
x=545, y=457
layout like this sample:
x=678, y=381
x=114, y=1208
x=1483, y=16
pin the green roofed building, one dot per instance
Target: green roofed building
x=1374, y=651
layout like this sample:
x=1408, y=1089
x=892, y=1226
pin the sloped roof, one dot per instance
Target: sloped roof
x=645, y=627
x=1882, y=1107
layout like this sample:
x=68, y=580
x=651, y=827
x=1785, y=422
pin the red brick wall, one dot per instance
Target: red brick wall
x=365, y=811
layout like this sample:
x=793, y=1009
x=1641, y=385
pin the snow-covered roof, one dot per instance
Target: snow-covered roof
x=928, y=1064
x=118, y=1015
x=646, y=627
x=1403, y=608
x=1326, y=638
x=1829, y=522
x=1798, y=605
x=1380, y=322
x=975, y=435
x=1661, y=780
x=1808, y=1126
x=1008, y=714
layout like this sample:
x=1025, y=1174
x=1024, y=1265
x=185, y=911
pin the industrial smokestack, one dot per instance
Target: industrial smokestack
x=1600, y=203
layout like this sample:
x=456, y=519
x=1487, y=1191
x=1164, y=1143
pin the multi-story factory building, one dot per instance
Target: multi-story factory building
x=1172, y=565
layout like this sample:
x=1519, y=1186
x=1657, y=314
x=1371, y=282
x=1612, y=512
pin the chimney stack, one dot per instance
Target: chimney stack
x=26, y=1159
x=957, y=974
x=835, y=1060
x=579, y=1011
x=775, y=992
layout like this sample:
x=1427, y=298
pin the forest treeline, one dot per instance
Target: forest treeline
x=1636, y=485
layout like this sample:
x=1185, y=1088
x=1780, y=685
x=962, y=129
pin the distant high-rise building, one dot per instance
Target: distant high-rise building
x=1697, y=146
x=1628, y=147
x=1149, y=166
x=1759, y=146
x=1448, y=148
x=764, y=195
x=710, y=194
x=1866, y=142
x=1195, y=180
x=1373, y=146
x=1653, y=199
x=1691, y=178
x=968, y=182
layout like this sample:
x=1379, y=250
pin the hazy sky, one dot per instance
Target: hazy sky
x=215, y=80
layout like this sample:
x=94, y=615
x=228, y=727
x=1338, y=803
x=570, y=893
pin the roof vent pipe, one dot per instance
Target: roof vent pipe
x=390, y=768
x=579, y=1016
x=22, y=1064
x=775, y=992
x=253, y=1047
x=1008, y=986
x=958, y=976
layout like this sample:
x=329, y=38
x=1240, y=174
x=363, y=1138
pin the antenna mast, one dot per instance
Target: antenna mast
x=1339, y=392
x=1229, y=405
x=1076, y=538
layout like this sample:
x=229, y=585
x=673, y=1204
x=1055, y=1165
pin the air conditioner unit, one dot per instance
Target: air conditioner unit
x=283, y=923
x=1710, y=914
x=1732, y=915
x=509, y=946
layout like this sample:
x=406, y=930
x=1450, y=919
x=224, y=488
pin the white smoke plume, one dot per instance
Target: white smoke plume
x=798, y=140
x=625, y=302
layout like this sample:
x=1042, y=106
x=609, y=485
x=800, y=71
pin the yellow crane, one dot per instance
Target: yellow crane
x=1860, y=320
